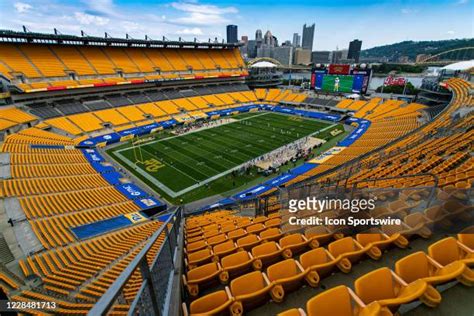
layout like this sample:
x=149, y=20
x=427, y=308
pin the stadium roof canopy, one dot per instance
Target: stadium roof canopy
x=60, y=39
x=462, y=65
x=263, y=64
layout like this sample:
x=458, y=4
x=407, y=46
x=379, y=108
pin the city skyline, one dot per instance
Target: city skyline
x=208, y=19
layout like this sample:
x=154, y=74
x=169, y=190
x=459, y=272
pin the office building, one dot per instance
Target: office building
x=354, y=50
x=232, y=34
x=252, y=49
x=283, y=54
x=320, y=57
x=296, y=40
x=308, y=37
x=302, y=56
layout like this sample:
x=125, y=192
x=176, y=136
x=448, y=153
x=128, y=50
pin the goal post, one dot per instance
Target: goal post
x=137, y=150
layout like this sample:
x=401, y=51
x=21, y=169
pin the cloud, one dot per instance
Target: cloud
x=202, y=8
x=408, y=11
x=461, y=2
x=202, y=14
x=101, y=7
x=89, y=19
x=190, y=31
x=450, y=32
x=21, y=7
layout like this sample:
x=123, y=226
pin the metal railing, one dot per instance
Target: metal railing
x=153, y=295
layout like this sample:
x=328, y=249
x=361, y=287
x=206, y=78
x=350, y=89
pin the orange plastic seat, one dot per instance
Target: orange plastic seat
x=228, y=227
x=273, y=222
x=243, y=222
x=265, y=254
x=318, y=235
x=260, y=219
x=198, y=257
x=211, y=233
x=235, y=264
x=201, y=276
x=195, y=246
x=256, y=228
x=466, y=237
x=270, y=234
x=378, y=242
x=420, y=266
x=293, y=312
x=223, y=249
x=342, y=301
x=236, y=234
x=449, y=250
x=293, y=244
x=347, y=251
x=218, y=239
x=274, y=215
x=287, y=276
x=418, y=224
x=212, y=304
x=317, y=263
x=248, y=242
x=250, y=290
x=190, y=240
x=387, y=289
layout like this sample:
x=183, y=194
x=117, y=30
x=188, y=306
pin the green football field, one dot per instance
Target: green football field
x=176, y=165
x=345, y=83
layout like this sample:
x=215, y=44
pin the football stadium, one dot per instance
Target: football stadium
x=148, y=177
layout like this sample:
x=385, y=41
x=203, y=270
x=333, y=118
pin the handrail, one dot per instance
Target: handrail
x=107, y=300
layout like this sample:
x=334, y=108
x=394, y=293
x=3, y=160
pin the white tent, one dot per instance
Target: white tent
x=462, y=65
x=263, y=64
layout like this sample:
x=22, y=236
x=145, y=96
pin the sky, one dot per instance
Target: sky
x=375, y=22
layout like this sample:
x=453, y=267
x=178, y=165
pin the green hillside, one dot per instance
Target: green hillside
x=412, y=48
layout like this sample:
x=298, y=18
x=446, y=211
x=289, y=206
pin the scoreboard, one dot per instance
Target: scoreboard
x=340, y=79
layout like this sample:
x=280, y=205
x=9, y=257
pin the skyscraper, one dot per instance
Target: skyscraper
x=296, y=40
x=354, y=50
x=258, y=35
x=269, y=39
x=232, y=34
x=308, y=37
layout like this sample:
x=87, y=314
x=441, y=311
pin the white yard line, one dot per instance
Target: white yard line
x=174, y=194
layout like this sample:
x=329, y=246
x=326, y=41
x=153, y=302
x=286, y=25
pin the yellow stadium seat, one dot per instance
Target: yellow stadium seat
x=250, y=290
x=317, y=235
x=293, y=244
x=317, y=263
x=248, y=242
x=237, y=233
x=201, y=276
x=420, y=266
x=340, y=301
x=235, y=264
x=270, y=234
x=199, y=257
x=379, y=241
x=347, y=251
x=387, y=289
x=287, y=276
x=212, y=304
x=265, y=254
x=449, y=250
x=223, y=249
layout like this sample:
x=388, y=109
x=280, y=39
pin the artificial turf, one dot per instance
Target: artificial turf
x=182, y=161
